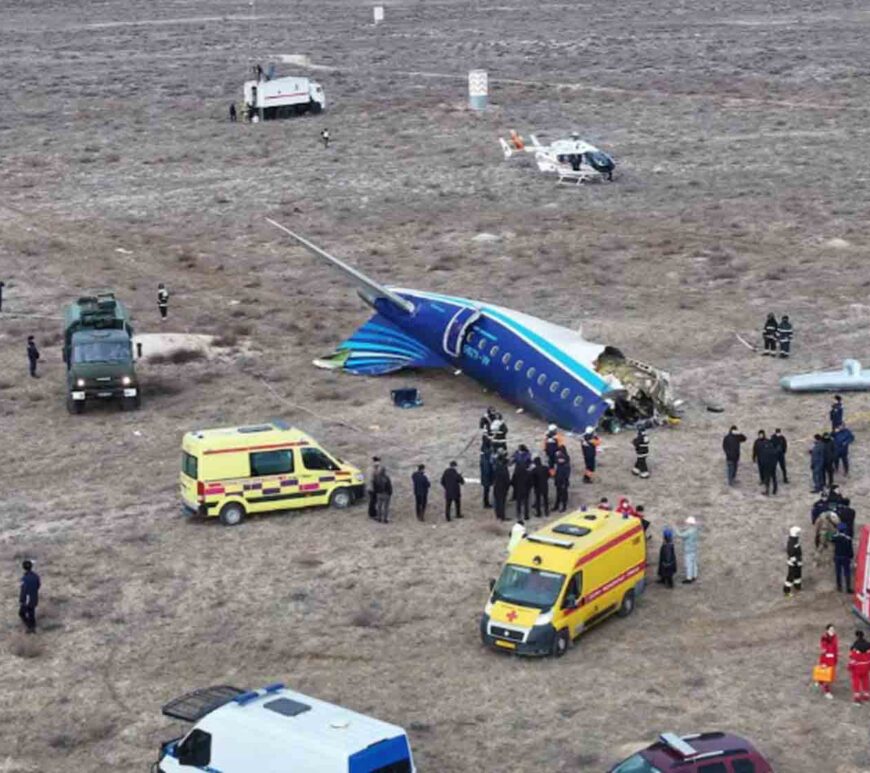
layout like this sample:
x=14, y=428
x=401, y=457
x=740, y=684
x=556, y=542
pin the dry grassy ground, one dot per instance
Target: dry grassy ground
x=741, y=132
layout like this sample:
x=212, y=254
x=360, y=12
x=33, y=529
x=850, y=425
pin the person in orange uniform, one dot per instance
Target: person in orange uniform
x=859, y=668
x=829, y=651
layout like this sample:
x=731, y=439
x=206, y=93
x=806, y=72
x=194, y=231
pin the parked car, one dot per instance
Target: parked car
x=702, y=753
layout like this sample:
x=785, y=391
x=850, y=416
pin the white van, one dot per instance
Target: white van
x=282, y=97
x=276, y=730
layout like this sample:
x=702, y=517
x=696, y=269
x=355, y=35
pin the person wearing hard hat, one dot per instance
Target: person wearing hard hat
x=795, y=555
x=689, y=536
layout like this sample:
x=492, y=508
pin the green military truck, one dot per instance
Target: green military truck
x=98, y=352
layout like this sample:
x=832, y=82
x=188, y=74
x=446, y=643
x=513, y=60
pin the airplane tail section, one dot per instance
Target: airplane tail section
x=380, y=347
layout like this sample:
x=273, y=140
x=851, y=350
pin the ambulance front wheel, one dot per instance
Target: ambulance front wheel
x=232, y=514
x=341, y=498
x=560, y=643
x=627, y=605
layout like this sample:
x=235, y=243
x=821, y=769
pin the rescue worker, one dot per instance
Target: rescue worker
x=843, y=438
x=846, y=515
x=162, y=300
x=784, y=334
x=541, y=481
x=589, y=446
x=731, y=446
x=624, y=508
x=794, y=553
x=499, y=430
x=233, y=114
x=689, y=536
x=769, y=334
x=32, y=355
x=767, y=459
x=640, y=512
x=552, y=441
x=562, y=478
x=760, y=440
x=843, y=555
x=817, y=464
x=373, y=500
x=518, y=534
x=859, y=668
x=641, y=450
x=486, y=421
x=667, y=560
x=521, y=482
x=829, y=654
x=452, y=482
x=836, y=414
x=324, y=136
x=501, y=483
x=781, y=445
x=522, y=455
x=486, y=466
x=830, y=457
x=383, y=488
x=28, y=596
x=421, y=485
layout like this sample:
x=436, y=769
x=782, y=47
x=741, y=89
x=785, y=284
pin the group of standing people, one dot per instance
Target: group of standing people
x=768, y=453
x=380, y=491
x=825, y=673
x=830, y=450
x=777, y=335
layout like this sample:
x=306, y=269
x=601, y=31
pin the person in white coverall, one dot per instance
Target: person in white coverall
x=689, y=536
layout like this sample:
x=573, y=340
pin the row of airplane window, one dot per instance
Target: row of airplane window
x=530, y=373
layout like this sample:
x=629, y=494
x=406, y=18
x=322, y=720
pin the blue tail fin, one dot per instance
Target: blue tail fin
x=380, y=347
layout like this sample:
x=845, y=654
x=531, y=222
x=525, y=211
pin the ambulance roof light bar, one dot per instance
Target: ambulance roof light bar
x=676, y=743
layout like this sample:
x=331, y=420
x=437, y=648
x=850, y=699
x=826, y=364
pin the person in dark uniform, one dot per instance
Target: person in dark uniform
x=541, y=479
x=667, y=560
x=590, y=450
x=769, y=334
x=2, y=285
x=731, y=446
x=233, y=115
x=421, y=485
x=836, y=414
x=28, y=597
x=486, y=466
x=795, y=556
x=562, y=480
x=641, y=451
x=551, y=445
x=767, y=460
x=784, y=334
x=817, y=464
x=324, y=137
x=843, y=438
x=843, y=555
x=452, y=482
x=499, y=430
x=781, y=445
x=32, y=355
x=373, y=500
x=162, y=300
x=759, y=443
x=522, y=483
x=501, y=483
x=383, y=488
x=830, y=457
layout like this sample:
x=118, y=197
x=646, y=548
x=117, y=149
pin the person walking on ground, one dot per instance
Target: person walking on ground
x=760, y=440
x=779, y=442
x=562, y=479
x=843, y=438
x=731, y=446
x=421, y=485
x=837, y=413
x=784, y=335
x=769, y=334
x=843, y=555
x=233, y=114
x=641, y=451
x=830, y=457
x=486, y=466
x=767, y=459
x=859, y=668
x=452, y=482
x=829, y=653
x=794, y=554
x=383, y=487
x=373, y=499
x=667, y=560
x=501, y=484
x=324, y=137
x=589, y=446
x=689, y=536
x=518, y=534
x=162, y=300
x=32, y=356
x=541, y=481
x=522, y=485
x=28, y=596
x=817, y=464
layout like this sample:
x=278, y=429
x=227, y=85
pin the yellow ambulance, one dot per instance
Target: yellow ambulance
x=563, y=579
x=234, y=471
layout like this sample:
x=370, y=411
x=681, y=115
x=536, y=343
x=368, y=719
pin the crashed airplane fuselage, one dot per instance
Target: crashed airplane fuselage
x=547, y=369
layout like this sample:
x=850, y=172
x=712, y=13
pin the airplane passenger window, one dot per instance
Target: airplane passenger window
x=542, y=379
x=469, y=339
x=493, y=351
x=590, y=409
x=518, y=366
x=554, y=387
x=530, y=373
x=578, y=401
x=482, y=343
x=565, y=393
x=506, y=359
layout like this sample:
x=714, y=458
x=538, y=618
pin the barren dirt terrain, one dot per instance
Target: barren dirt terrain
x=741, y=133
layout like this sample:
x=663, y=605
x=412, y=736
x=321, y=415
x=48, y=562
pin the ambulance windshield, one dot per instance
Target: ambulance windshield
x=528, y=587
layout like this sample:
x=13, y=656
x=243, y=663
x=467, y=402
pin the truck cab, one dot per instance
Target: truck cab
x=275, y=730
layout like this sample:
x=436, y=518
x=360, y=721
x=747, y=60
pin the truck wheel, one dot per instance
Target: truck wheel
x=130, y=403
x=232, y=514
x=560, y=643
x=315, y=106
x=341, y=499
x=75, y=406
x=627, y=605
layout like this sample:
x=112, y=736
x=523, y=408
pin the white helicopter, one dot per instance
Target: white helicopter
x=572, y=159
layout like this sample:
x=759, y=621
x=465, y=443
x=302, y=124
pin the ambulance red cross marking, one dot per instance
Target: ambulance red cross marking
x=512, y=615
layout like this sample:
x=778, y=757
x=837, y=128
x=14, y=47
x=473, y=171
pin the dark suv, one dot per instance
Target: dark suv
x=702, y=753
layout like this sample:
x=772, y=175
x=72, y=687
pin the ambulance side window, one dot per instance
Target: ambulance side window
x=195, y=750
x=271, y=463
x=572, y=592
x=315, y=459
